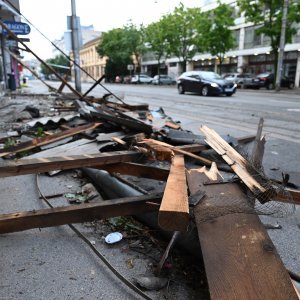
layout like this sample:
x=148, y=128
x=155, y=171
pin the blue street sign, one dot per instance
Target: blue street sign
x=17, y=27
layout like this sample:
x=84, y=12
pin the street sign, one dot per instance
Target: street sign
x=130, y=67
x=17, y=27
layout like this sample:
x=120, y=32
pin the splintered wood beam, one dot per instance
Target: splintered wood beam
x=174, y=209
x=47, y=139
x=41, y=165
x=159, y=146
x=236, y=161
x=295, y=197
x=50, y=217
x=240, y=259
x=137, y=170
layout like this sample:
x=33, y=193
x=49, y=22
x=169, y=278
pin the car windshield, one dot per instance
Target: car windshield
x=210, y=75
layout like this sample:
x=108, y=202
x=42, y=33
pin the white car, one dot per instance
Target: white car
x=141, y=78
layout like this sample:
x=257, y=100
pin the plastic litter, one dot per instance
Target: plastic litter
x=113, y=237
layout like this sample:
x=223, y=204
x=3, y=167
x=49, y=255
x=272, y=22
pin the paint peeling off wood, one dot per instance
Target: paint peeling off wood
x=174, y=210
x=41, y=165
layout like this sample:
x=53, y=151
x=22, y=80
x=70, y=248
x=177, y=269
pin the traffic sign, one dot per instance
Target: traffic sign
x=17, y=27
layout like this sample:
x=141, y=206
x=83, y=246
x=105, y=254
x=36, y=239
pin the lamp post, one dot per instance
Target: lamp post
x=281, y=46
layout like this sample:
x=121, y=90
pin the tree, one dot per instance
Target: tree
x=218, y=36
x=267, y=14
x=155, y=40
x=181, y=35
x=60, y=63
x=120, y=45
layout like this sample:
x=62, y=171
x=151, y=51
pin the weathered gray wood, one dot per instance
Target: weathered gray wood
x=41, y=165
x=50, y=217
x=240, y=259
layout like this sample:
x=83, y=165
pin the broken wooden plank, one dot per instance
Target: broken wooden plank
x=47, y=139
x=259, y=146
x=137, y=170
x=157, y=145
x=43, y=164
x=295, y=194
x=240, y=259
x=50, y=217
x=236, y=161
x=174, y=209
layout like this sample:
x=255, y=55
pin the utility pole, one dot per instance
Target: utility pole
x=282, y=44
x=75, y=47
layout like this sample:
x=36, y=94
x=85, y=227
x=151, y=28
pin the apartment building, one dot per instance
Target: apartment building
x=90, y=60
x=251, y=55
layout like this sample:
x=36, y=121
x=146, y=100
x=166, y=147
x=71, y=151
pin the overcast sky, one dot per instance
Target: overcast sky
x=50, y=17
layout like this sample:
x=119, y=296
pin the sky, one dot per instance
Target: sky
x=50, y=17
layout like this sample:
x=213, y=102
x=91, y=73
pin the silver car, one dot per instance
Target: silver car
x=163, y=79
x=241, y=79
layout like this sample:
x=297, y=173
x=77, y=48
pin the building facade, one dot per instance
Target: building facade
x=9, y=67
x=251, y=55
x=90, y=60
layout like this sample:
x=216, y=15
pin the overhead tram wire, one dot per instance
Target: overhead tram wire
x=62, y=52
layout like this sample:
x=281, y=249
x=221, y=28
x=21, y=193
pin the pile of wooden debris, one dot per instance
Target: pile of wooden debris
x=208, y=185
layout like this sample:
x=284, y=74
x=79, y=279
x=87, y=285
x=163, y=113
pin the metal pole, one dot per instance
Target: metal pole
x=3, y=43
x=75, y=46
x=282, y=44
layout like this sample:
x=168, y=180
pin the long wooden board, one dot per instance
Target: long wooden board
x=41, y=165
x=50, y=217
x=174, y=209
x=47, y=139
x=240, y=259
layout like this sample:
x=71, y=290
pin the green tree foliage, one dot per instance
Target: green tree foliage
x=180, y=33
x=60, y=61
x=267, y=14
x=218, y=36
x=120, y=45
x=156, y=41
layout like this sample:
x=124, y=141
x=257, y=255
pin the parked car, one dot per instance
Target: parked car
x=205, y=83
x=267, y=80
x=141, y=78
x=241, y=79
x=163, y=79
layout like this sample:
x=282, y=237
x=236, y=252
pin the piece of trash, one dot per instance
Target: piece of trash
x=274, y=152
x=275, y=169
x=113, y=237
x=271, y=226
x=93, y=242
x=130, y=263
x=151, y=283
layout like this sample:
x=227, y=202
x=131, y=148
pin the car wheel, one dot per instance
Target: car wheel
x=291, y=85
x=270, y=86
x=180, y=89
x=204, y=91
